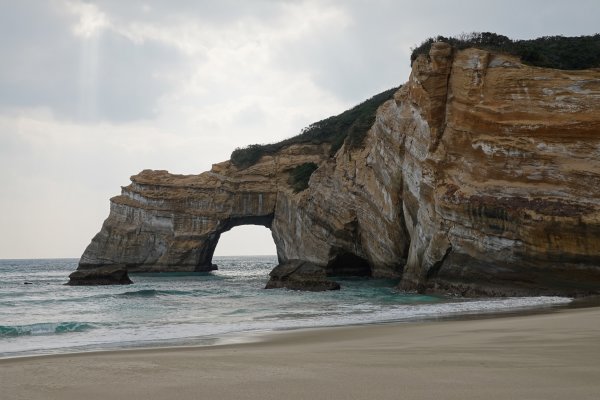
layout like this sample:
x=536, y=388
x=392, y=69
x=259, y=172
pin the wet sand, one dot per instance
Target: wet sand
x=546, y=356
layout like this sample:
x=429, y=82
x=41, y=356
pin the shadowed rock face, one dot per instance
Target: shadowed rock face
x=480, y=177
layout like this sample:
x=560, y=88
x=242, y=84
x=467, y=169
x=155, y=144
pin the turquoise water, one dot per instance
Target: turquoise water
x=40, y=315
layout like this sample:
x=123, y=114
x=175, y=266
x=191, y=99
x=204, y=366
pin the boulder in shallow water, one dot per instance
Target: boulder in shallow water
x=300, y=275
x=108, y=275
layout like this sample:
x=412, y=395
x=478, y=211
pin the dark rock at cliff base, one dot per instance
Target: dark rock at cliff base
x=109, y=275
x=300, y=275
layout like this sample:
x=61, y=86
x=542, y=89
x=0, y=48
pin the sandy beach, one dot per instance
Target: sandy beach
x=546, y=356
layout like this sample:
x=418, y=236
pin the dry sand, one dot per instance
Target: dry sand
x=545, y=356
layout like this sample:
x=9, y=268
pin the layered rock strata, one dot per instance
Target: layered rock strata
x=507, y=199
x=480, y=177
x=166, y=222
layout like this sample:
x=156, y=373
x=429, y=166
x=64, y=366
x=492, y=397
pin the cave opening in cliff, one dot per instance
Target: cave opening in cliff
x=246, y=240
x=348, y=264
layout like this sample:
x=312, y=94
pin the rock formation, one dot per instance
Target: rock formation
x=106, y=275
x=480, y=177
x=166, y=222
x=300, y=275
x=506, y=201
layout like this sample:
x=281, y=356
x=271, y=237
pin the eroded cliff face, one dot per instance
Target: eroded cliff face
x=480, y=177
x=350, y=217
x=507, y=199
x=347, y=221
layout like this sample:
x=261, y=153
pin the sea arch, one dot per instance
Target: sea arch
x=245, y=240
x=163, y=222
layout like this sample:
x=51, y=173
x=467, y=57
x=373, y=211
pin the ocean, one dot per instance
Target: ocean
x=39, y=314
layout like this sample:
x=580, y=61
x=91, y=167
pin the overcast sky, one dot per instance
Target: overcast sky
x=92, y=92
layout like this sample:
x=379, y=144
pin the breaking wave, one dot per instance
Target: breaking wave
x=48, y=328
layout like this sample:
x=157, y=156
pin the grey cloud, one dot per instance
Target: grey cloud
x=203, y=11
x=252, y=115
x=38, y=56
x=48, y=66
x=127, y=82
x=371, y=54
x=355, y=61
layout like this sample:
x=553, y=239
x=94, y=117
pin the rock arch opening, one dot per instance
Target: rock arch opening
x=226, y=225
x=246, y=240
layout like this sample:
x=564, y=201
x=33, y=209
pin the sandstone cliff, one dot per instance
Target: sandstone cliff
x=480, y=177
x=502, y=193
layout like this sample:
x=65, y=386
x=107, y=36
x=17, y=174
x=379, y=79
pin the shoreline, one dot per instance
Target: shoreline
x=255, y=336
x=548, y=355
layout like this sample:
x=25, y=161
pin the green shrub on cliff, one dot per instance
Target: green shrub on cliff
x=559, y=52
x=247, y=156
x=350, y=126
x=300, y=175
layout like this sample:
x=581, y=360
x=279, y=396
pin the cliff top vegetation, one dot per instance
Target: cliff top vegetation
x=351, y=127
x=558, y=52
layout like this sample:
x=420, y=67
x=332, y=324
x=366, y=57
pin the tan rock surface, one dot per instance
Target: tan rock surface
x=509, y=202
x=166, y=222
x=481, y=176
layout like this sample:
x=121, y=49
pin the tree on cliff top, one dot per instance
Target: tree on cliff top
x=558, y=52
